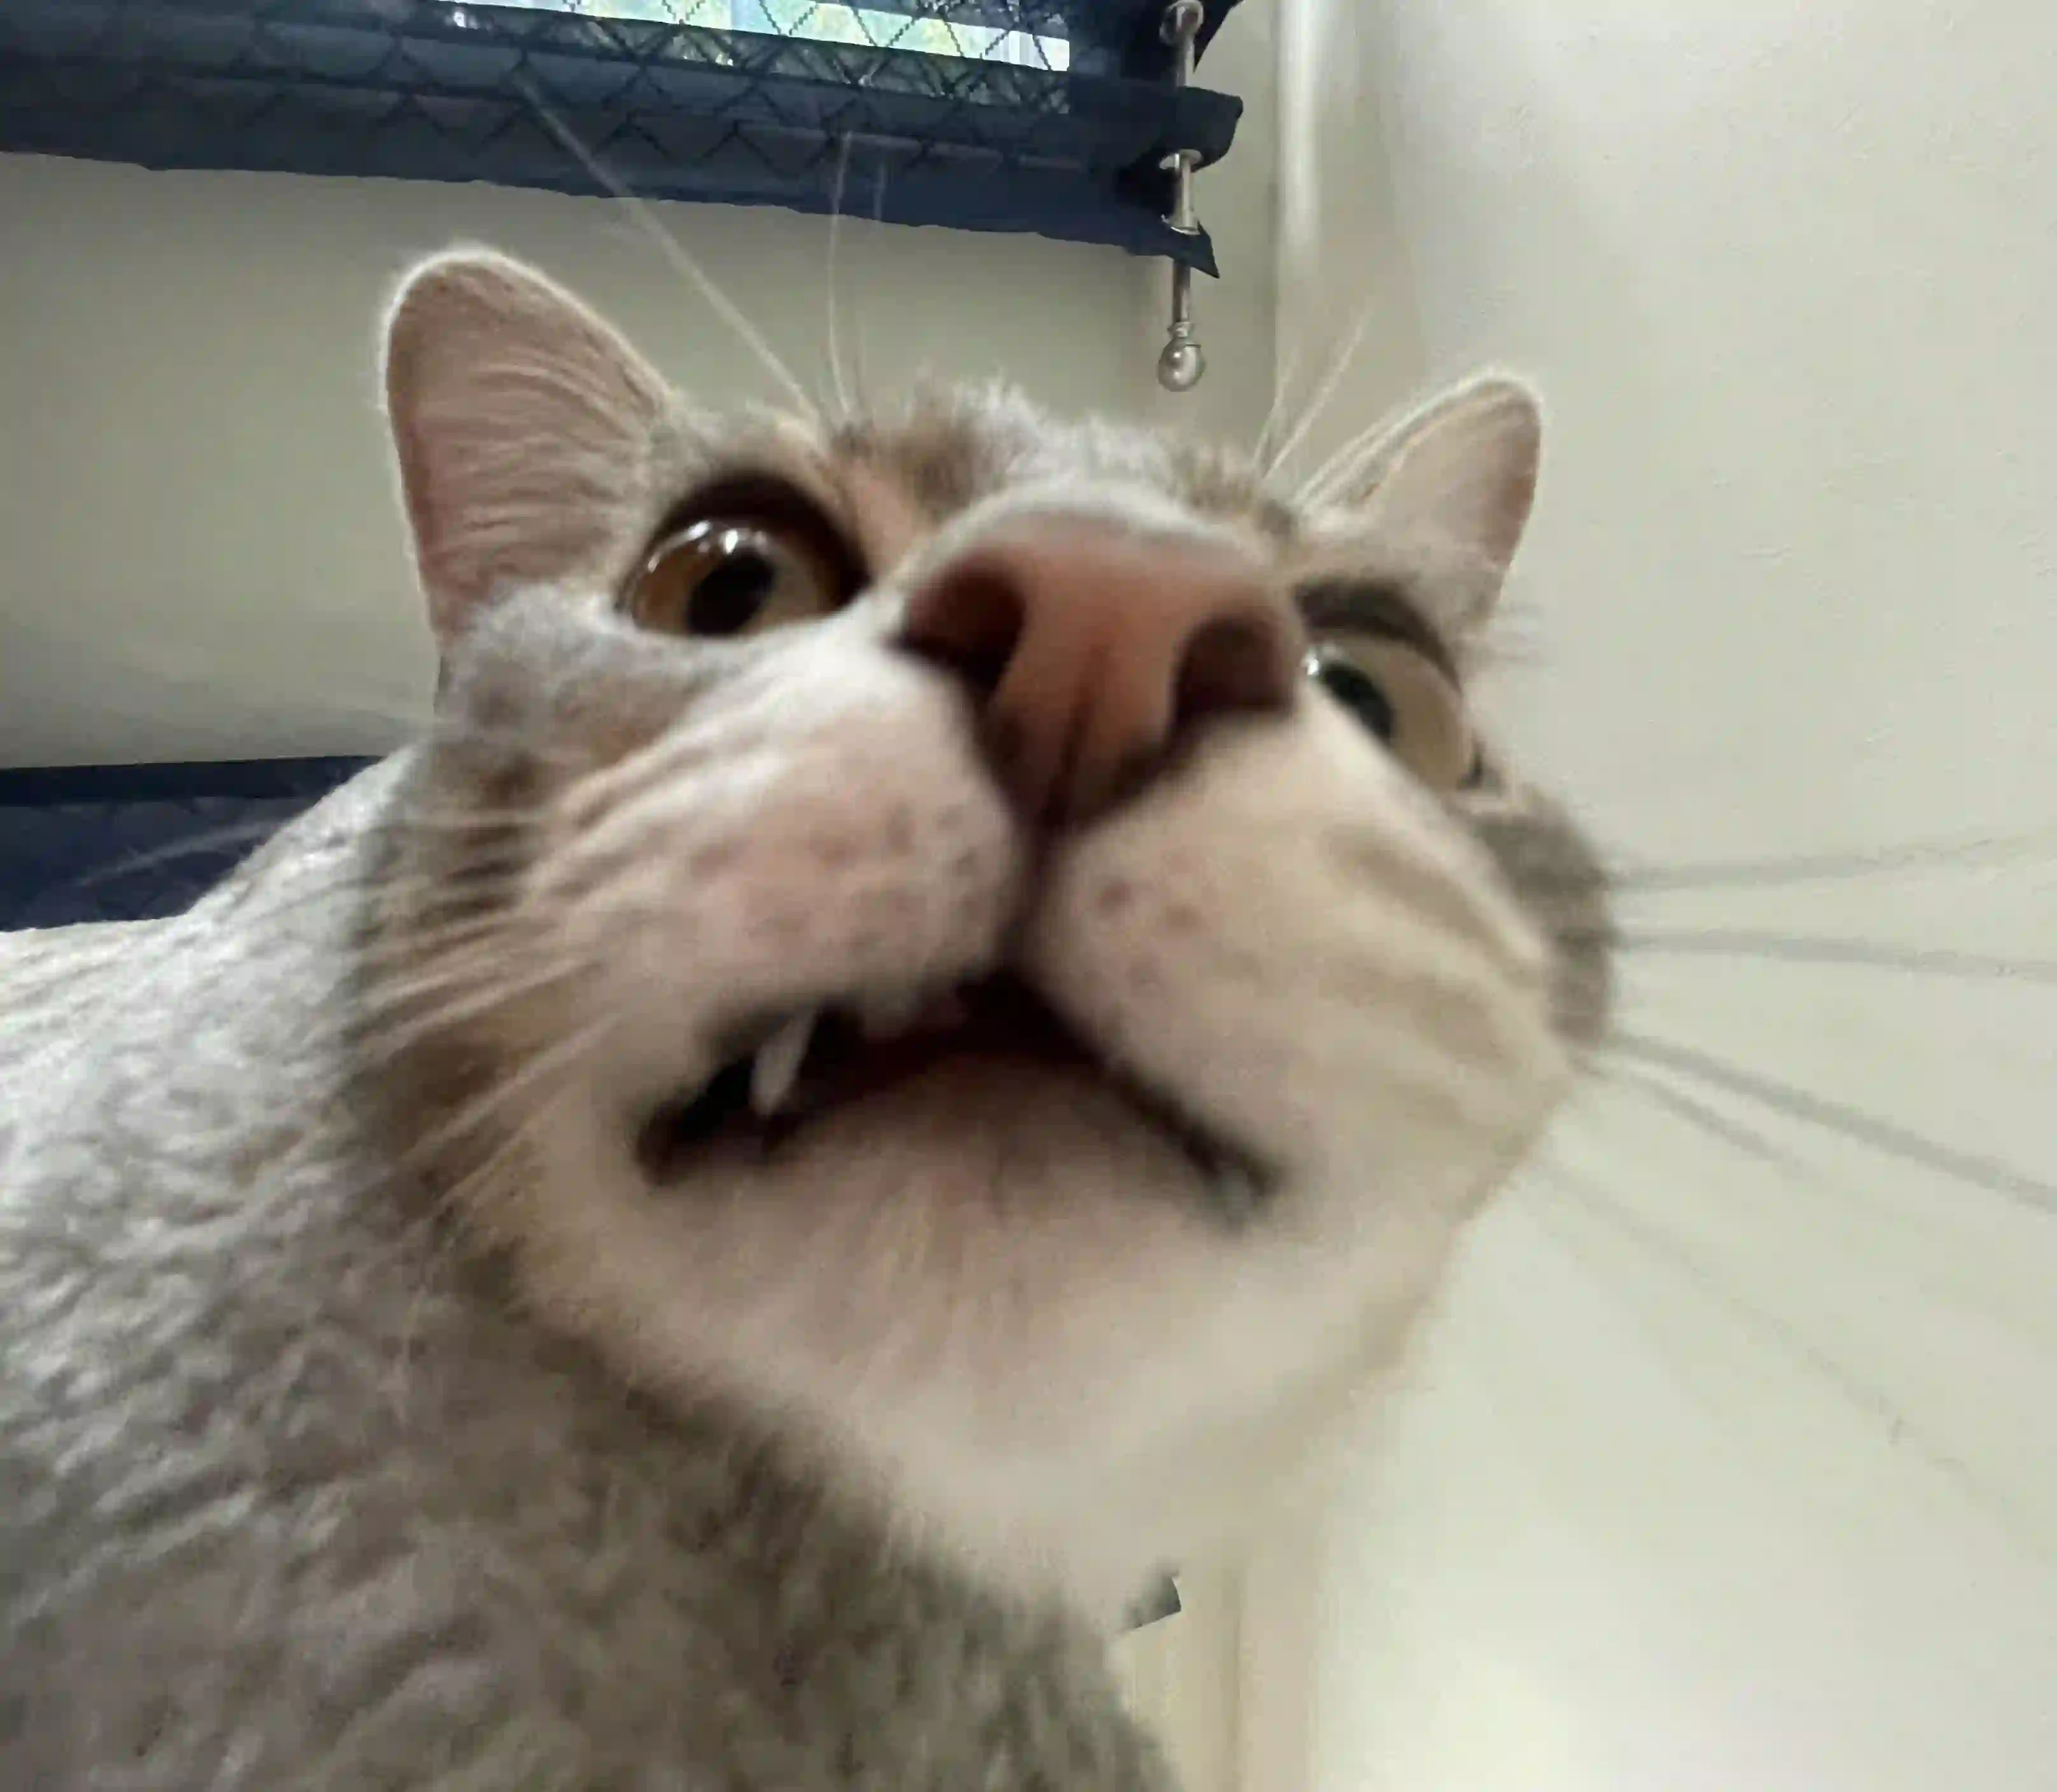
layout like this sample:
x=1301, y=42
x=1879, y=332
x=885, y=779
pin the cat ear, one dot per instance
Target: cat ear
x=1460, y=474
x=523, y=425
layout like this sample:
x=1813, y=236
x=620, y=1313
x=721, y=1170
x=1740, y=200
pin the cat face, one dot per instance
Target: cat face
x=994, y=943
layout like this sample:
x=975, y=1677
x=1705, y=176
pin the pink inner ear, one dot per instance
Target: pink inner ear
x=1502, y=510
x=1465, y=469
x=523, y=426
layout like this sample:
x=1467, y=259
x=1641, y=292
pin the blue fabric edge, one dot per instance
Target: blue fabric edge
x=46, y=786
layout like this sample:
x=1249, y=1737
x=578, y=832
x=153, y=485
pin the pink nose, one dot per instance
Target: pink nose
x=1093, y=651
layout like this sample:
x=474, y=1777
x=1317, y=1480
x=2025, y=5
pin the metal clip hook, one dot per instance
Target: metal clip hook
x=1182, y=363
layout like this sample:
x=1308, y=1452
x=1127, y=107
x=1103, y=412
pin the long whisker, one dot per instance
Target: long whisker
x=1964, y=850
x=1814, y=948
x=862, y=367
x=254, y=833
x=1618, y=1219
x=1656, y=1246
x=436, y=1000
x=1345, y=357
x=837, y=377
x=430, y=896
x=1344, y=467
x=1698, y=1114
x=438, y=944
x=193, y=846
x=539, y=1069
x=1627, y=879
x=418, y=1157
x=467, y=733
x=1839, y=1117
x=1565, y=1221
x=448, y=1244
x=1861, y=1218
x=667, y=245
x=433, y=901
x=1284, y=378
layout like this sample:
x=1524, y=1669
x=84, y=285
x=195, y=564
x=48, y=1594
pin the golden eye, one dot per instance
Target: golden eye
x=724, y=576
x=1403, y=698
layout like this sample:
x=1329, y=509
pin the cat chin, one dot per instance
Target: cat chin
x=1004, y=1312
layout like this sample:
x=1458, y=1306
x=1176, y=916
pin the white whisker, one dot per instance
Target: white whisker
x=1971, y=1168
x=482, y=991
x=862, y=368
x=1703, y=1115
x=1345, y=355
x=844, y=414
x=539, y=1069
x=1283, y=380
x=1816, y=948
x=647, y=220
x=1655, y=1246
x=448, y=1244
x=1778, y=871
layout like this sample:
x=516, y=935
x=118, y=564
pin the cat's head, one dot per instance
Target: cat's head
x=995, y=942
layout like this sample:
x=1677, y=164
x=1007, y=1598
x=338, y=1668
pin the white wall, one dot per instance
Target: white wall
x=202, y=558
x=1727, y=1473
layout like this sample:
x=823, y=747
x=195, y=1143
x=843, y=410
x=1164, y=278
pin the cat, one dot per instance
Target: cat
x=937, y=994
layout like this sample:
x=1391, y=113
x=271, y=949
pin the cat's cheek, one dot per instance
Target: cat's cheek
x=1306, y=950
x=846, y=846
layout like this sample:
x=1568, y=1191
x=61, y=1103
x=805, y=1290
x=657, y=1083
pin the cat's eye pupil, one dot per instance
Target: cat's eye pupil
x=728, y=596
x=1358, y=692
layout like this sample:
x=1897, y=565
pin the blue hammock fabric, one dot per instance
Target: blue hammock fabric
x=133, y=843
x=1048, y=116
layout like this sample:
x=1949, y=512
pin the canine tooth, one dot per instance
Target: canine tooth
x=777, y=1064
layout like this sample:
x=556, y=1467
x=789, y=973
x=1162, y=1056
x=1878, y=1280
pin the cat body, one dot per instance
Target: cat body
x=886, y=1062
x=292, y=1496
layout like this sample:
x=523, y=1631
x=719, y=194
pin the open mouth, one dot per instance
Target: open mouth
x=802, y=1066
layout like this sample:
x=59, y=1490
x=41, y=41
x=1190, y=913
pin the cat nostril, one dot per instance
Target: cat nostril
x=1235, y=663
x=970, y=620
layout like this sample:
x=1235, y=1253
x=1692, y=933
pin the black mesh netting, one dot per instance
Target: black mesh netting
x=1051, y=116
